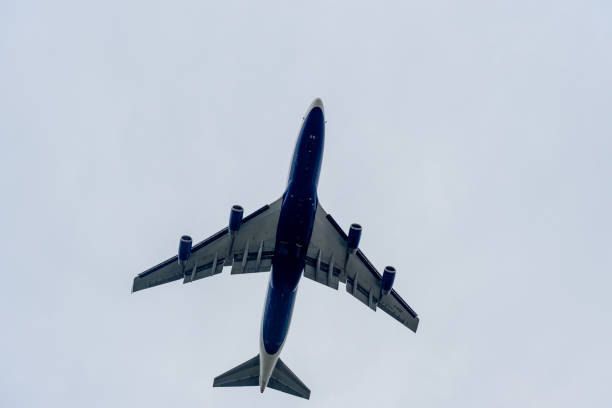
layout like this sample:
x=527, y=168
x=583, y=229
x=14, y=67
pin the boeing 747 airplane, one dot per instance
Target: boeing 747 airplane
x=291, y=236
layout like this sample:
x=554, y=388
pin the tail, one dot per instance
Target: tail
x=247, y=374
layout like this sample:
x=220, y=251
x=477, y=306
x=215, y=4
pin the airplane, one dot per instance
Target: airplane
x=289, y=237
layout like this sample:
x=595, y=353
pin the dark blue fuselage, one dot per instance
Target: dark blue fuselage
x=294, y=230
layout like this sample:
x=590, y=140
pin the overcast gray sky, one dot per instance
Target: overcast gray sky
x=471, y=139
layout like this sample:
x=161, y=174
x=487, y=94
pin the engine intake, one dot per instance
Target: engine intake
x=235, y=218
x=354, y=236
x=184, y=251
x=386, y=284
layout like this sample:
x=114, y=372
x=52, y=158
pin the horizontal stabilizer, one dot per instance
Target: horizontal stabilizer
x=284, y=380
x=247, y=374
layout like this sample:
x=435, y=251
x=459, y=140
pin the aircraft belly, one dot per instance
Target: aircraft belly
x=293, y=235
x=277, y=317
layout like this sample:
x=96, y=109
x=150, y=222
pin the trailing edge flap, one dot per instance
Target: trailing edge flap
x=247, y=374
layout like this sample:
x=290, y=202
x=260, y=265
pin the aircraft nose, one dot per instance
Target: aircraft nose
x=317, y=103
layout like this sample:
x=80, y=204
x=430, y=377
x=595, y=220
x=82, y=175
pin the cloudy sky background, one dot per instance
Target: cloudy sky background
x=471, y=139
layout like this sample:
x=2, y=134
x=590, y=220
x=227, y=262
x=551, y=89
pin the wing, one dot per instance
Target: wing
x=329, y=261
x=249, y=249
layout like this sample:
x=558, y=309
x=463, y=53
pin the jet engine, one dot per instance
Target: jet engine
x=354, y=236
x=235, y=218
x=184, y=251
x=387, y=280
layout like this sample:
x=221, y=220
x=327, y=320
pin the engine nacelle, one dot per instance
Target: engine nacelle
x=235, y=218
x=184, y=251
x=386, y=284
x=354, y=236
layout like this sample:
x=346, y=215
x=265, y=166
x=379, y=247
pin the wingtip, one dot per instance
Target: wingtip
x=416, y=324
